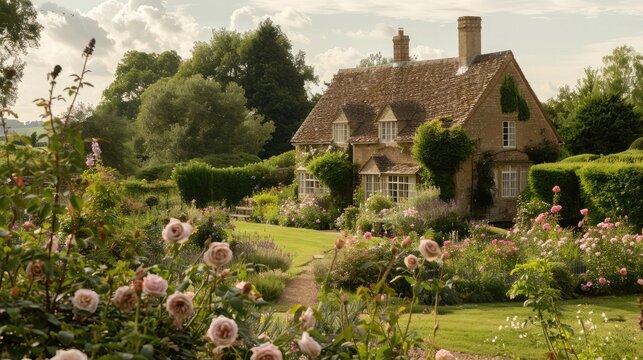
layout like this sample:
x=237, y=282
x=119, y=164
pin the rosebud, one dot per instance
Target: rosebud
x=406, y=242
x=247, y=288
x=344, y=298
x=140, y=273
x=14, y=292
x=339, y=243
x=138, y=286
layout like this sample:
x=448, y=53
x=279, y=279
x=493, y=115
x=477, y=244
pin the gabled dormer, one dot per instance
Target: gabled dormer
x=341, y=129
x=387, y=125
x=350, y=121
x=397, y=118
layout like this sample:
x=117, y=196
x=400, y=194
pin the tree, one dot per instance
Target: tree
x=19, y=30
x=219, y=59
x=185, y=118
x=274, y=82
x=623, y=74
x=374, y=60
x=135, y=73
x=603, y=124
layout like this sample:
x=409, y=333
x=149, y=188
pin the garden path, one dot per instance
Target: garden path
x=301, y=289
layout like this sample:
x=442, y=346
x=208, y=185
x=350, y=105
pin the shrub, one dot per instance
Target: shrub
x=155, y=172
x=580, y=158
x=265, y=207
x=335, y=170
x=193, y=181
x=628, y=156
x=543, y=177
x=229, y=160
x=151, y=201
x=544, y=152
x=443, y=226
x=284, y=160
x=269, y=284
x=347, y=220
x=441, y=150
x=615, y=190
x=378, y=202
x=251, y=248
x=637, y=144
x=563, y=280
x=368, y=221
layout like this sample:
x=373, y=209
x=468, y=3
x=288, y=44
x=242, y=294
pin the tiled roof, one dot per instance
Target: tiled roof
x=387, y=166
x=415, y=90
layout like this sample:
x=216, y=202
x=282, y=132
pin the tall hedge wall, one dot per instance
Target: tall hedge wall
x=612, y=189
x=542, y=179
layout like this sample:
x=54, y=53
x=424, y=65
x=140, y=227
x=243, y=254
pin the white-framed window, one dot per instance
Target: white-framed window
x=308, y=184
x=399, y=187
x=509, y=134
x=509, y=181
x=340, y=132
x=388, y=131
x=371, y=185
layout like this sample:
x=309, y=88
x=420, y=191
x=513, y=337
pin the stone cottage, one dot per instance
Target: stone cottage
x=375, y=111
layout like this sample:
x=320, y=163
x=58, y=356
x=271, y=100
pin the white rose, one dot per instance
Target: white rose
x=429, y=249
x=72, y=354
x=308, y=345
x=86, y=300
x=218, y=254
x=266, y=351
x=307, y=319
x=154, y=285
x=223, y=331
x=176, y=231
x=411, y=262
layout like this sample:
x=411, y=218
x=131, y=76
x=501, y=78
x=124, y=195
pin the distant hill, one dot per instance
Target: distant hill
x=24, y=128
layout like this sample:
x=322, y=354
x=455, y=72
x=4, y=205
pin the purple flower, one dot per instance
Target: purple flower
x=90, y=161
x=96, y=149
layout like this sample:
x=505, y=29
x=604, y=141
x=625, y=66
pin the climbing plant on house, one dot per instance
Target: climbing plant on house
x=441, y=151
x=511, y=100
x=335, y=170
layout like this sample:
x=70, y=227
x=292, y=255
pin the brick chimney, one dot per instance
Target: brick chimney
x=401, y=46
x=468, y=39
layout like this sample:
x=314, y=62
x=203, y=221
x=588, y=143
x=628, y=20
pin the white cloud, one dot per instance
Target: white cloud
x=423, y=52
x=328, y=62
x=143, y=25
x=380, y=31
x=447, y=10
x=289, y=19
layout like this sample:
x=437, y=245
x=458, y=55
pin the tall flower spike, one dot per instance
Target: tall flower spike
x=89, y=49
x=54, y=74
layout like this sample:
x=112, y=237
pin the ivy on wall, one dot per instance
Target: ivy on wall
x=335, y=170
x=511, y=100
x=441, y=151
x=482, y=196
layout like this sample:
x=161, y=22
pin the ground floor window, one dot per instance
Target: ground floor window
x=399, y=187
x=371, y=185
x=308, y=184
x=514, y=179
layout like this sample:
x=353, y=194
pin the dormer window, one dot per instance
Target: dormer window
x=388, y=131
x=340, y=132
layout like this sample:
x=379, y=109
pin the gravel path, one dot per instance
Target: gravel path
x=301, y=289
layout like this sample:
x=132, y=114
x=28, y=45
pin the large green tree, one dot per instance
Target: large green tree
x=135, y=73
x=186, y=118
x=218, y=59
x=603, y=124
x=19, y=30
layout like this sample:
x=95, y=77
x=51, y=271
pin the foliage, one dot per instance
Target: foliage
x=374, y=59
x=19, y=30
x=482, y=197
x=283, y=160
x=335, y=170
x=441, y=150
x=637, y=144
x=580, y=158
x=627, y=156
x=155, y=172
x=614, y=190
x=603, y=124
x=378, y=202
x=542, y=179
x=348, y=219
x=543, y=152
x=219, y=59
x=511, y=100
x=269, y=284
x=228, y=160
x=311, y=213
x=260, y=252
x=199, y=118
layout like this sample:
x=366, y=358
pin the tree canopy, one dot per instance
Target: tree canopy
x=374, y=60
x=185, y=118
x=19, y=30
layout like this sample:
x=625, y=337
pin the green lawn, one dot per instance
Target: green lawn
x=302, y=244
x=471, y=328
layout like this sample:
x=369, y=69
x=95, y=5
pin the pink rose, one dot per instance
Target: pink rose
x=339, y=243
x=581, y=223
x=556, y=189
x=444, y=355
x=602, y=280
x=177, y=231
x=546, y=226
x=125, y=298
x=429, y=249
x=368, y=235
x=308, y=319
x=308, y=345
x=589, y=284
x=623, y=271
x=154, y=285
x=223, y=331
x=179, y=306
x=218, y=254
x=85, y=300
x=71, y=354
x=556, y=208
x=584, y=212
x=266, y=351
x=640, y=282
x=540, y=218
x=411, y=262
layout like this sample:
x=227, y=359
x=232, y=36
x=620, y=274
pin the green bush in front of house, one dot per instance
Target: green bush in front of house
x=543, y=178
x=335, y=170
x=580, y=158
x=441, y=151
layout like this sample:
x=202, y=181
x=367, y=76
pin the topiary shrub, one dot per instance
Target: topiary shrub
x=378, y=202
x=441, y=151
x=542, y=179
x=335, y=170
x=228, y=160
x=637, y=144
x=193, y=180
x=580, y=158
x=628, y=156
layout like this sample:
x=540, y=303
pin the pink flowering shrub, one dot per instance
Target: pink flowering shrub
x=311, y=212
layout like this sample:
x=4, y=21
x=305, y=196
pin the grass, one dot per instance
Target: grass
x=471, y=328
x=302, y=244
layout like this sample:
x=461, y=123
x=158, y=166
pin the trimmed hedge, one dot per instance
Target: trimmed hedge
x=155, y=172
x=580, y=158
x=227, y=160
x=194, y=182
x=607, y=186
x=543, y=177
x=614, y=189
x=637, y=144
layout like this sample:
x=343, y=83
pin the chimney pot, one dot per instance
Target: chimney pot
x=469, y=39
x=401, y=46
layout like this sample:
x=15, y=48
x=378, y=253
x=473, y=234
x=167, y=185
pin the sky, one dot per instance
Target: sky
x=552, y=40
